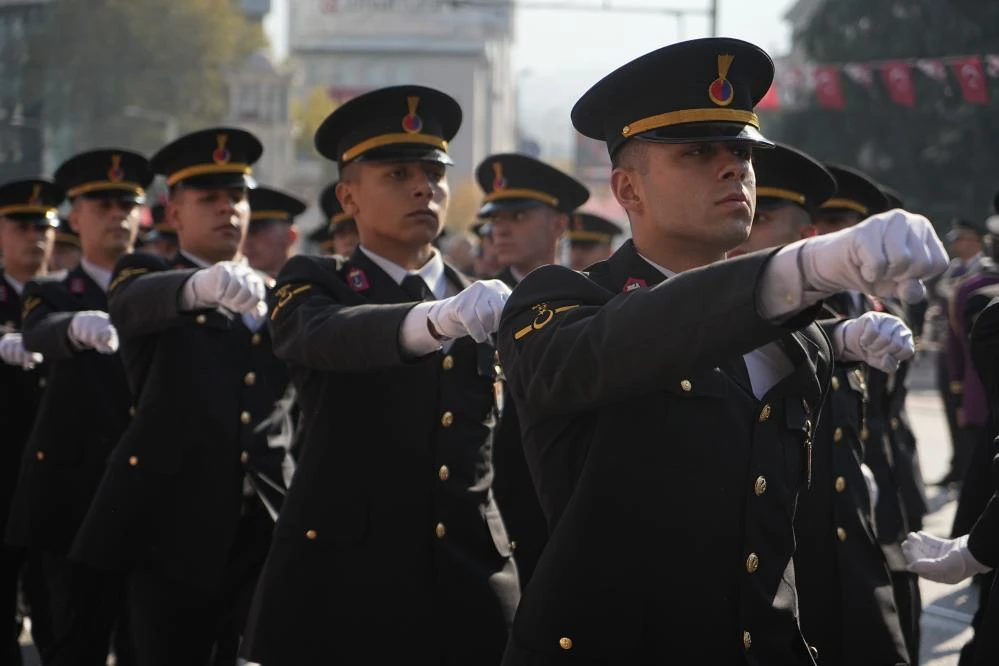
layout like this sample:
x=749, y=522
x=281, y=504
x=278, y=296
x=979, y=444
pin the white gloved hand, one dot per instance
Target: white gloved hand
x=872, y=484
x=92, y=329
x=887, y=254
x=942, y=560
x=234, y=286
x=474, y=312
x=12, y=352
x=878, y=339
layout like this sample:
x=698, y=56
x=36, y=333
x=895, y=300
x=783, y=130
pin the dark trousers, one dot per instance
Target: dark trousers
x=983, y=640
x=249, y=550
x=84, y=605
x=171, y=623
x=910, y=607
x=978, y=485
x=11, y=560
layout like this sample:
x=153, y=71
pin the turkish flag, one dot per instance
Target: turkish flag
x=828, y=90
x=770, y=101
x=898, y=79
x=971, y=75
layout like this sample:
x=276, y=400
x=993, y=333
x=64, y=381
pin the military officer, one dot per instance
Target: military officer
x=66, y=248
x=199, y=362
x=845, y=596
x=857, y=197
x=270, y=239
x=162, y=239
x=665, y=378
x=86, y=405
x=590, y=237
x=340, y=235
x=390, y=547
x=27, y=226
x=527, y=204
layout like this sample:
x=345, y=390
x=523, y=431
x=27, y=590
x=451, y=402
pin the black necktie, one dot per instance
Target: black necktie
x=737, y=370
x=416, y=288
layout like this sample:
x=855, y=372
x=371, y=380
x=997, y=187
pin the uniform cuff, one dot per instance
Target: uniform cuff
x=782, y=290
x=414, y=334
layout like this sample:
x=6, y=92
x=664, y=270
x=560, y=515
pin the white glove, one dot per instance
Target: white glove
x=941, y=560
x=474, y=312
x=887, y=255
x=92, y=329
x=880, y=340
x=12, y=352
x=872, y=484
x=234, y=286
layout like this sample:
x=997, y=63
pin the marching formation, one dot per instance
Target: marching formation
x=690, y=449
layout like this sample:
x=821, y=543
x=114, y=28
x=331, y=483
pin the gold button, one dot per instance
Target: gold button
x=513, y=546
x=447, y=419
x=244, y=417
x=311, y=535
x=837, y=434
x=841, y=534
x=840, y=484
x=565, y=643
x=201, y=319
x=747, y=640
x=835, y=383
x=752, y=563
x=760, y=486
x=250, y=379
x=448, y=362
x=864, y=434
x=765, y=413
x=440, y=531
x=443, y=473
x=244, y=457
x=131, y=410
x=255, y=340
x=40, y=456
x=894, y=423
x=42, y=382
x=814, y=650
x=686, y=385
x=133, y=461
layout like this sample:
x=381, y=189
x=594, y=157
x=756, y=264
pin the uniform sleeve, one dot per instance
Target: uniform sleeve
x=984, y=341
x=144, y=295
x=311, y=326
x=45, y=324
x=568, y=345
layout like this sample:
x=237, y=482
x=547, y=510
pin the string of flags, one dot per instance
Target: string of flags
x=798, y=84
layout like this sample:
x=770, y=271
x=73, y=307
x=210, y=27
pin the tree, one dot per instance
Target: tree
x=938, y=153
x=95, y=58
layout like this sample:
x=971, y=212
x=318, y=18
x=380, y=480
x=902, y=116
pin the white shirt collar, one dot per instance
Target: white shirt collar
x=665, y=271
x=18, y=286
x=99, y=275
x=200, y=263
x=432, y=272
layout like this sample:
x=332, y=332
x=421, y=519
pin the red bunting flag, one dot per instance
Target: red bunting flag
x=971, y=76
x=898, y=79
x=828, y=90
x=770, y=101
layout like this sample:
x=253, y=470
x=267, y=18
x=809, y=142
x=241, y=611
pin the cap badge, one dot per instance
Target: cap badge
x=221, y=154
x=499, y=182
x=116, y=173
x=36, y=195
x=411, y=122
x=720, y=91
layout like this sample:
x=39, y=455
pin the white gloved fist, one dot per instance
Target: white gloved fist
x=12, y=352
x=474, y=312
x=942, y=560
x=878, y=339
x=92, y=329
x=872, y=484
x=229, y=284
x=887, y=254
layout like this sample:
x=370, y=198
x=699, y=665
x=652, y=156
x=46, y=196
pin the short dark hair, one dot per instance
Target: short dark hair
x=633, y=155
